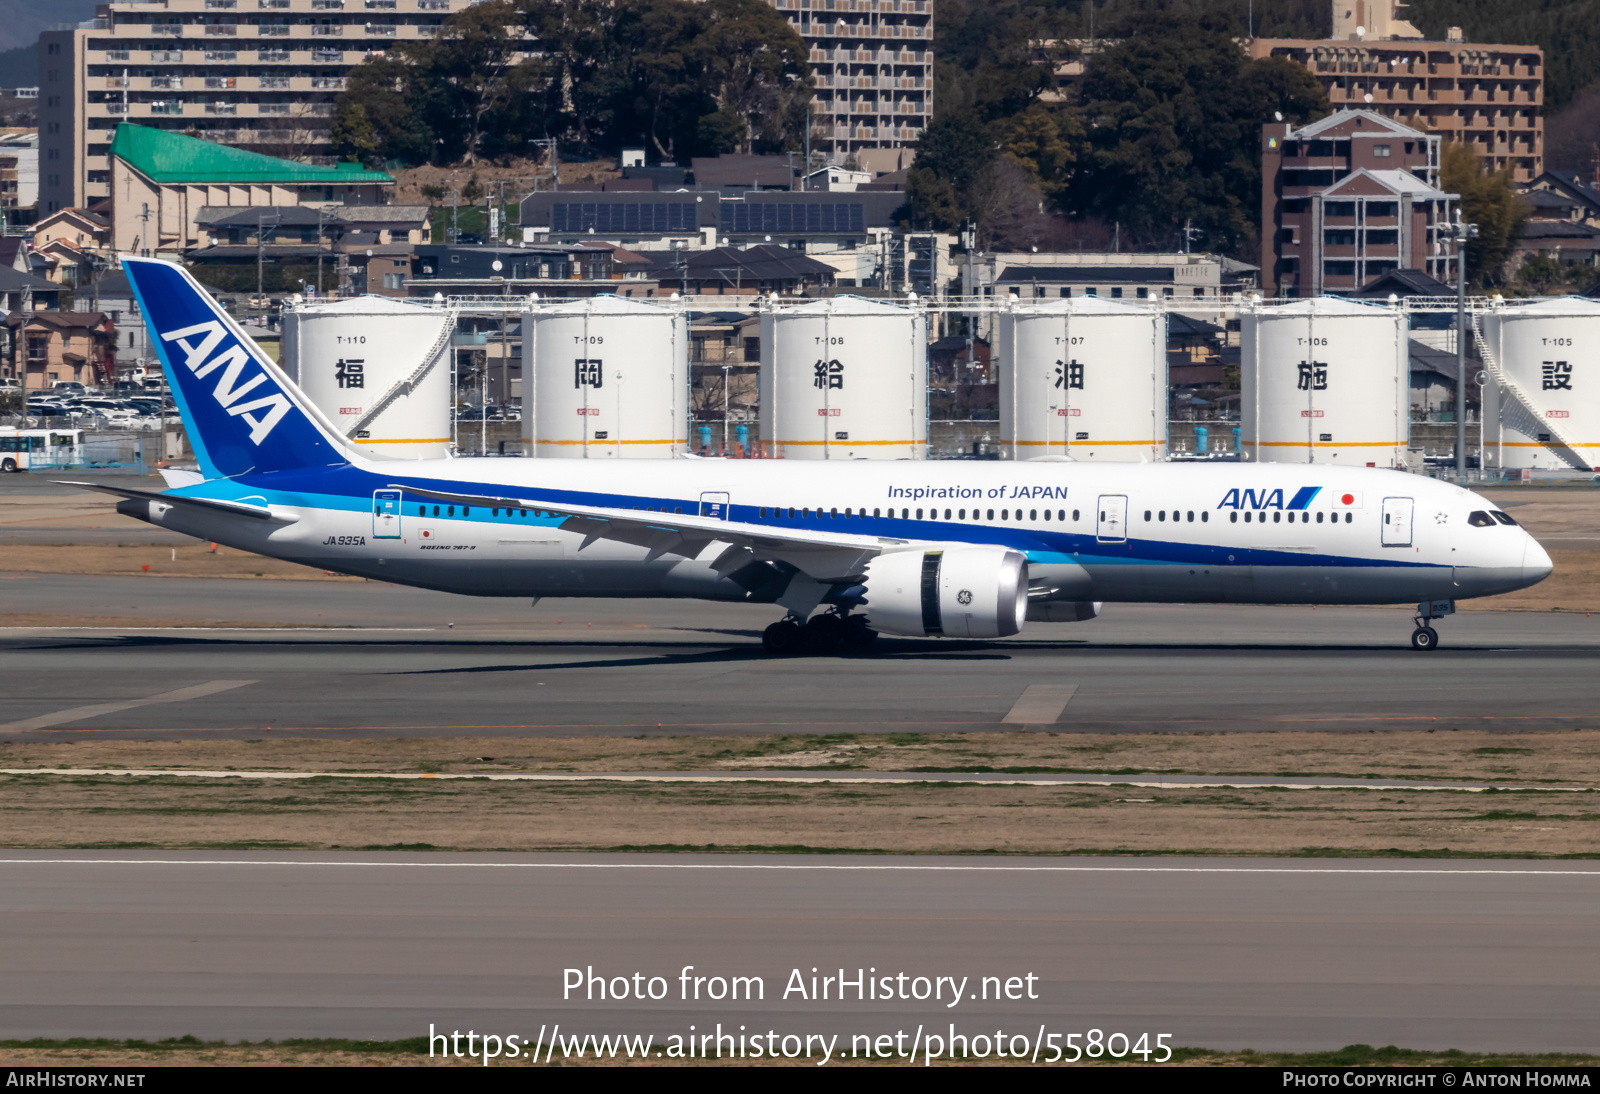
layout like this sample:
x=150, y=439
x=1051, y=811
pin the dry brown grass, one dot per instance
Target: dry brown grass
x=1557, y=758
x=836, y=816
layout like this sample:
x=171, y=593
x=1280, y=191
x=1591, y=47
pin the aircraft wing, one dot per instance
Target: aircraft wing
x=822, y=556
x=236, y=508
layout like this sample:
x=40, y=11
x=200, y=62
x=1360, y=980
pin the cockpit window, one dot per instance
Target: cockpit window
x=1480, y=519
x=1503, y=518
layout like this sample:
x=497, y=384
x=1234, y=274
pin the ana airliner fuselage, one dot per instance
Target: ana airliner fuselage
x=915, y=548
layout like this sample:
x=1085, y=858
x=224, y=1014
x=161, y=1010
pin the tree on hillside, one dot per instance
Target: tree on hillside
x=477, y=55
x=952, y=153
x=1489, y=201
x=679, y=76
x=754, y=63
x=1173, y=122
x=441, y=99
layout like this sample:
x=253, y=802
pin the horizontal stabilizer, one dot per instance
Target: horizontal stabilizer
x=236, y=508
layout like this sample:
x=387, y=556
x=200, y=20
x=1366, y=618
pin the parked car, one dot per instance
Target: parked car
x=69, y=387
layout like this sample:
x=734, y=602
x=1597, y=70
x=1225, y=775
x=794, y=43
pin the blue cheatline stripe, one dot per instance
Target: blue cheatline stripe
x=349, y=489
x=1302, y=497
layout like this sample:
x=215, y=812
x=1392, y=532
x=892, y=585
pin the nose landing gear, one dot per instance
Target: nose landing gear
x=822, y=634
x=1425, y=637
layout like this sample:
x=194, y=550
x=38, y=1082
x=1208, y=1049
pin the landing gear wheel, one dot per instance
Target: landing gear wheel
x=857, y=635
x=782, y=638
x=823, y=634
x=1424, y=638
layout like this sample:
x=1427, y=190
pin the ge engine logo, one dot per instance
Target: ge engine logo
x=964, y=596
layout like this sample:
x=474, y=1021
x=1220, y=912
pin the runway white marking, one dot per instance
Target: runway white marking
x=1152, y=782
x=94, y=710
x=838, y=867
x=1040, y=704
x=248, y=629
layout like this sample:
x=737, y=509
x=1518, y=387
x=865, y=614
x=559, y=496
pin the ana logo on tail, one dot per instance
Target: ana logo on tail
x=198, y=343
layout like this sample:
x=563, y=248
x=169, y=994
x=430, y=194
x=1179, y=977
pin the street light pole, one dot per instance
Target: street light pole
x=725, y=369
x=1461, y=232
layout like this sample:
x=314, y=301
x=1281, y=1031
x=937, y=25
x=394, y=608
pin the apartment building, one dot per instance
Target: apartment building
x=19, y=170
x=1488, y=96
x=1350, y=199
x=873, y=69
x=256, y=74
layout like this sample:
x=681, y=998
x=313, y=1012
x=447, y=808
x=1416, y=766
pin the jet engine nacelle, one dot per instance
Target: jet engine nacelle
x=959, y=592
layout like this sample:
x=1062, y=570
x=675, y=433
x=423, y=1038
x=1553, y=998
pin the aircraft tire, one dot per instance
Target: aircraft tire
x=823, y=634
x=782, y=638
x=858, y=636
x=1424, y=638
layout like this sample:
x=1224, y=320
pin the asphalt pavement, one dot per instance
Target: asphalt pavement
x=351, y=659
x=1269, y=954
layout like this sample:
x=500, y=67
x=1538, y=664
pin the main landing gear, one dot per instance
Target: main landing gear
x=1425, y=637
x=827, y=633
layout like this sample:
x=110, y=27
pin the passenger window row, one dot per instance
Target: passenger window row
x=1277, y=517
x=1161, y=515
x=792, y=513
x=466, y=511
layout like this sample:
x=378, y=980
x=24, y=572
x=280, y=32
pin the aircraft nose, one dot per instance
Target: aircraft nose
x=1536, y=564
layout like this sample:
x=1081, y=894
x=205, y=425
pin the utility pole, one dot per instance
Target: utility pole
x=554, y=147
x=725, y=411
x=261, y=246
x=969, y=239
x=320, y=212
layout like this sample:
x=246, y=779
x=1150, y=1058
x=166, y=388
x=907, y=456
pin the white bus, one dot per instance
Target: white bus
x=21, y=449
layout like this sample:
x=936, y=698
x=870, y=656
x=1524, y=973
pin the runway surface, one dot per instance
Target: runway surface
x=1220, y=953
x=351, y=659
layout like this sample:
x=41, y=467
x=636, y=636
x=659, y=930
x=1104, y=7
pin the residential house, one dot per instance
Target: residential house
x=552, y=270
x=728, y=271
x=54, y=346
x=79, y=228
x=23, y=292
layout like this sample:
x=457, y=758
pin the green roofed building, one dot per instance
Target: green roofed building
x=160, y=181
x=260, y=75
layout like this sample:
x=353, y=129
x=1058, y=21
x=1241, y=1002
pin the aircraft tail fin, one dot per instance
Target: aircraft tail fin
x=242, y=412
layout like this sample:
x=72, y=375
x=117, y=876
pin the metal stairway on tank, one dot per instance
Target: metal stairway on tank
x=1519, y=411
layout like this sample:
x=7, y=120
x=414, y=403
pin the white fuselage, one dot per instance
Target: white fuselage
x=1271, y=533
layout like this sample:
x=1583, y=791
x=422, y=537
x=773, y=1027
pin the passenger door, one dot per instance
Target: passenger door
x=714, y=505
x=1397, y=522
x=386, y=514
x=1112, y=525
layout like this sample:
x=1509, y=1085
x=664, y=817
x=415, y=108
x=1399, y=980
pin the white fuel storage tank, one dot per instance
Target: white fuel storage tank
x=845, y=378
x=1083, y=377
x=1541, y=401
x=1325, y=381
x=605, y=378
x=379, y=369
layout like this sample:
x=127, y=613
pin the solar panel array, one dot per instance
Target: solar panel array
x=624, y=216
x=810, y=216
